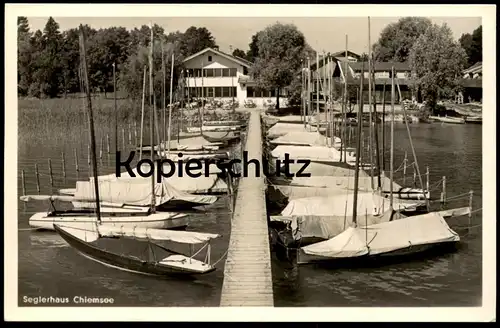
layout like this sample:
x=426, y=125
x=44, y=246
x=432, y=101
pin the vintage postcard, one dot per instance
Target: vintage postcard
x=255, y=162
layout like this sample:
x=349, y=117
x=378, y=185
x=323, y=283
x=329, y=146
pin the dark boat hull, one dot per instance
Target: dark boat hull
x=123, y=262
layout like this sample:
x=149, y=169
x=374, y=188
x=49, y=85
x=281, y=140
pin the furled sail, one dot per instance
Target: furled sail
x=184, y=237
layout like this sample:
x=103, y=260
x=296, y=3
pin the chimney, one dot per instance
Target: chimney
x=230, y=49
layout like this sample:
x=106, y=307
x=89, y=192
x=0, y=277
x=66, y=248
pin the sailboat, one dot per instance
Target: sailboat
x=82, y=237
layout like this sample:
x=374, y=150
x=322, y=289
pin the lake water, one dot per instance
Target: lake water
x=49, y=267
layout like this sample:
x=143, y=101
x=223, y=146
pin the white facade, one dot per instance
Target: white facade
x=225, y=77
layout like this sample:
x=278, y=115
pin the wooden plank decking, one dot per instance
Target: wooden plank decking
x=247, y=273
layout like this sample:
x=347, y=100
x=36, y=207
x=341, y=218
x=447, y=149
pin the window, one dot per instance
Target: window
x=225, y=72
x=232, y=71
x=245, y=70
x=226, y=91
x=217, y=72
x=249, y=92
x=210, y=92
x=209, y=72
x=209, y=58
x=218, y=92
x=197, y=72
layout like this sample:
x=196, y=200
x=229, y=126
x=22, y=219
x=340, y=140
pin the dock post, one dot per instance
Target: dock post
x=107, y=142
x=247, y=272
x=37, y=178
x=123, y=137
x=50, y=173
x=76, y=161
x=23, y=182
x=428, y=181
x=415, y=177
x=443, y=193
x=100, y=149
x=88, y=154
x=63, y=164
x=129, y=134
x=471, y=195
x=405, y=161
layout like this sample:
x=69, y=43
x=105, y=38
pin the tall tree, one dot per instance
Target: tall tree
x=196, y=39
x=473, y=45
x=253, y=51
x=437, y=61
x=50, y=68
x=239, y=53
x=397, y=39
x=24, y=56
x=281, y=54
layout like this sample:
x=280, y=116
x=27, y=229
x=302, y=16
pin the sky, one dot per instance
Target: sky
x=322, y=33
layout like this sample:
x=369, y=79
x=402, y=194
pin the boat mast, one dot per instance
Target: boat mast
x=391, y=164
x=164, y=73
x=83, y=63
x=151, y=118
x=344, y=130
x=142, y=111
x=427, y=204
x=375, y=131
x=370, y=129
x=170, y=109
x=317, y=92
x=116, y=109
x=358, y=152
x=308, y=107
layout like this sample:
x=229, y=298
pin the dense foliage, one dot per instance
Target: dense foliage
x=48, y=61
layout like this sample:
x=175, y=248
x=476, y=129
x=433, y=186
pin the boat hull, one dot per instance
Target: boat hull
x=45, y=221
x=384, y=258
x=131, y=264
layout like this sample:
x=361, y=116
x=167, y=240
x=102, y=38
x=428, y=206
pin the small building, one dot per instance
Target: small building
x=472, y=83
x=213, y=74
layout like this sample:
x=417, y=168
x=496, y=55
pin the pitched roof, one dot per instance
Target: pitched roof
x=380, y=66
x=477, y=67
x=342, y=54
x=238, y=60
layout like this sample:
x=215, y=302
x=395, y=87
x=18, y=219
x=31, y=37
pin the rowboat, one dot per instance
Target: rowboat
x=448, y=119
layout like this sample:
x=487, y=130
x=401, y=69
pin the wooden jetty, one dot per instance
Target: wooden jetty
x=247, y=273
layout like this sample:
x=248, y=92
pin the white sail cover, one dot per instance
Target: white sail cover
x=303, y=138
x=327, y=227
x=321, y=169
x=280, y=129
x=342, y=205
x=184, y=237
x=426, y=229
x=62, y=198
x=194, y=143
x=212, y=169
x=314, y=153
x=136, y=192
x=364, y=183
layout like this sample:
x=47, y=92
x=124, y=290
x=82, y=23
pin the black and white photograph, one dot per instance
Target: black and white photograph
x=252, y=162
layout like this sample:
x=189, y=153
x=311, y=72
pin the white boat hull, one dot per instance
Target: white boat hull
x=162, y=220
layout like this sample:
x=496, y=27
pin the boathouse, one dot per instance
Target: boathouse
x=350, y=70
x=472, y=83
x=213, y=74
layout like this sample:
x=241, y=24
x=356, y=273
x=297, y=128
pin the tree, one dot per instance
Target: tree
x=239, y=53
x=24, y=56
x=196, y=39
x=253, y=51
x=281, y=52
x=397, y=39
x=437, y=61
x=49, y=62
x=473, y=45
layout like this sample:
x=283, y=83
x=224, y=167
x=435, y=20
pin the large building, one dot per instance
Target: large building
x=213, y=74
